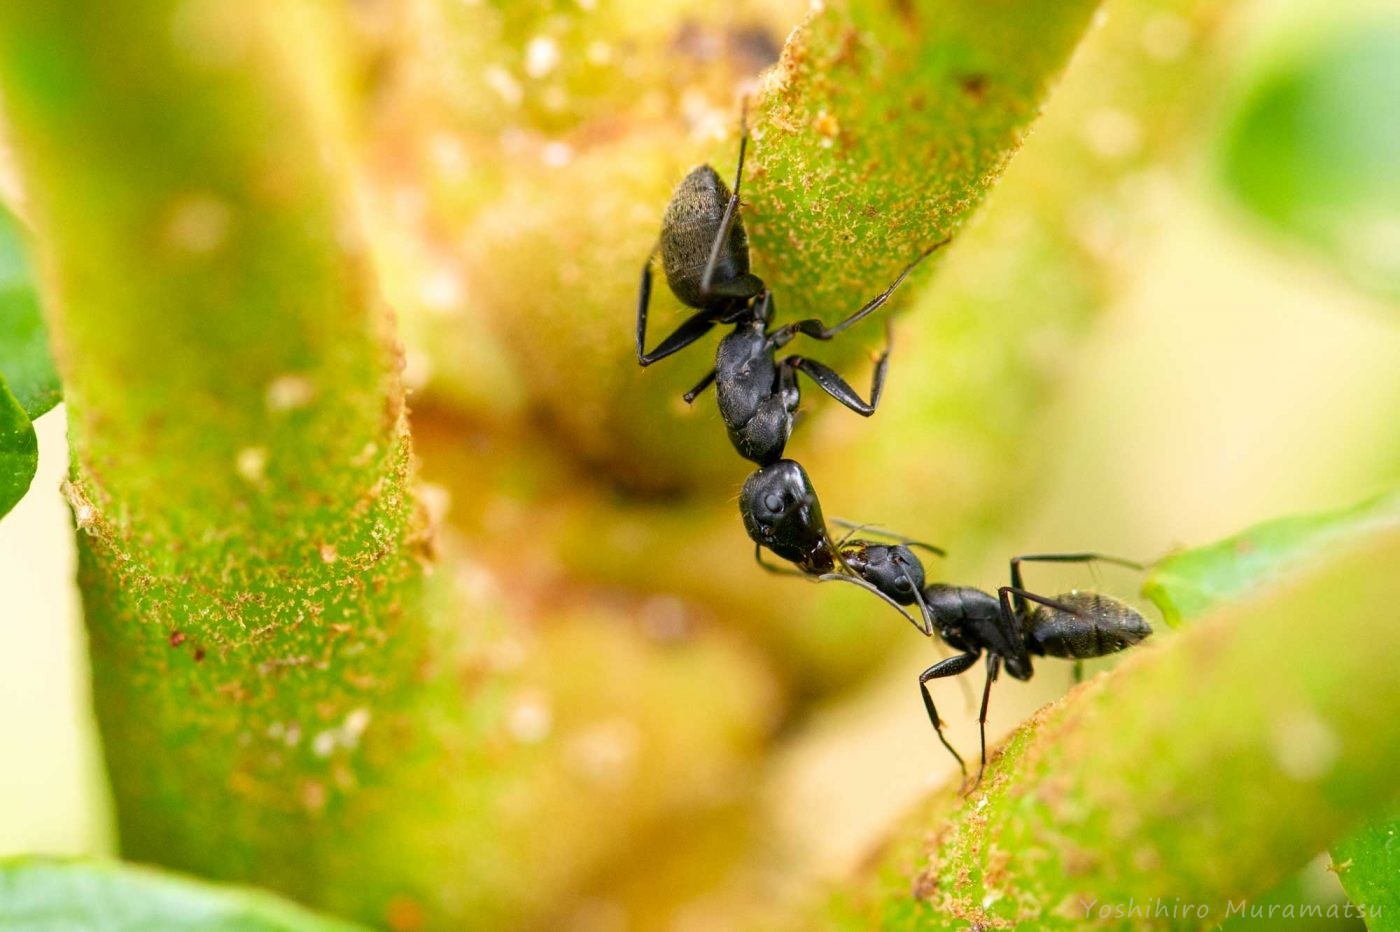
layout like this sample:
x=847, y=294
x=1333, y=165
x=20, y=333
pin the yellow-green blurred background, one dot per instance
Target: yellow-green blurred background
x=1233, y=377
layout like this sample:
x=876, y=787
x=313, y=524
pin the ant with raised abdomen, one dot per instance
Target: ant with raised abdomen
x=705, y=254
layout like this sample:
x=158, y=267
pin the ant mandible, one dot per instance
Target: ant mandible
x=705, y=254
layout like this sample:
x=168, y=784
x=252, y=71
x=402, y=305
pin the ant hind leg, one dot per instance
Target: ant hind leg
x=730, y=209
x=993, y=665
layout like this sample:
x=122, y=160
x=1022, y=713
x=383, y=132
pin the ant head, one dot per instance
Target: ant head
x=781, y=512
x=893, y=569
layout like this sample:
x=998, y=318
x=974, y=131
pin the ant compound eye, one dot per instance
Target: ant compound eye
x=904, y=585
x=774, y=502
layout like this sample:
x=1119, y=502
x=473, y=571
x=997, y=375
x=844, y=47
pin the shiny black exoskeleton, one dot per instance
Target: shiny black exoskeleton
x=1015, y=624
x=781, y=513
x=705, y=254
x=1009, y=627
x=891, y=569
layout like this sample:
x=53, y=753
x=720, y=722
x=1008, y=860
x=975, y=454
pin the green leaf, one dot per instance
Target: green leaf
x=39, y=894
x=19, y=450
x=1186, y=584
x=1367, y=863
x=1313, y=149
x=25, y=362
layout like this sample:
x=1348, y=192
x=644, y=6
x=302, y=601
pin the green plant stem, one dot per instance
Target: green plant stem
x=884, y=126
x=283, y=696
x=240, y=452
x=1199, y=773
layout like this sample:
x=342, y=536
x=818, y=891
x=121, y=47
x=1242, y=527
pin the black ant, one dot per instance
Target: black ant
x=1015, y=624
x=781, y=512
x=705, y=254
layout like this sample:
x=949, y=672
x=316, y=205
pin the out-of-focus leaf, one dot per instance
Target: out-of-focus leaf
x=1313, y=150
x=19, y=451
x=1368, y=864
x=51, y=895
x=1189, y=583
x=25, y=362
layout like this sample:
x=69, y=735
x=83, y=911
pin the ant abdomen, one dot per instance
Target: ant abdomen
x=1094, y=626
x=688, y=231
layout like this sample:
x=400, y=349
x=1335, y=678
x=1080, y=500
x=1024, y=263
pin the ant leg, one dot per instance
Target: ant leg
x=730, y=209
x=950, y=667
x=775, y=570
x=1061, y=558
x=691, y=329
x=993, y=664
x=1066, y=558
x=856, y=580
x=700, y=386
x=815, y=329
x=764, y=306
x=837, y=387
x=1006, y=593
x=644, y=304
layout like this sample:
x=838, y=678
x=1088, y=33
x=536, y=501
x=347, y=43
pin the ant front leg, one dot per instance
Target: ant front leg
x=835, y=386
x=950, y=667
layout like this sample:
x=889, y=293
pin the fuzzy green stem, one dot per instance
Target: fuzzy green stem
x=884, y=126
x=282, y=697
x=240, y=455
x=1200, y=773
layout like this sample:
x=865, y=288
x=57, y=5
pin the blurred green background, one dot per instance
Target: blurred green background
x=1246, y=365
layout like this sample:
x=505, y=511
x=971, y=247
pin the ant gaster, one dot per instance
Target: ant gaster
x=705, y=254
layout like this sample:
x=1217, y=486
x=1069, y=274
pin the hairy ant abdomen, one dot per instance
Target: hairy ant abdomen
x=1097, y=626
x=688, y=229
